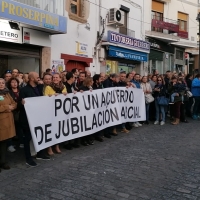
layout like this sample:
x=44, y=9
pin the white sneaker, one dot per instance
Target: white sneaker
x=11, y=149
x=135, y=125
x=156, y=122
x=138, y=123
x=162, y=123
x=21, y=146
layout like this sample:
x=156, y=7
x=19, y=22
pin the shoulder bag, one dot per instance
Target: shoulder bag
x=148, y=97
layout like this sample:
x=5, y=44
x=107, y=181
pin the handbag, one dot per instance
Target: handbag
x=149, y=98
x=189, y=94
x=162, y=101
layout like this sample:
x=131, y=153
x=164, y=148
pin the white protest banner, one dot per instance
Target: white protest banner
x=56, y=119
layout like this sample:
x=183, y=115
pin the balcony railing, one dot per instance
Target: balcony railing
x=53, y=6
x=126, y=31
x=165, y=25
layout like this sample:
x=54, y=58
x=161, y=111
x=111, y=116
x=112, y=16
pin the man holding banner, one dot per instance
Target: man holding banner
x=32, y=89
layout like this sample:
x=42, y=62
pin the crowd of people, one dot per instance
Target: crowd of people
x=172, y=95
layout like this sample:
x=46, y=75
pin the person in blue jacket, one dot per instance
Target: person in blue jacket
x=196, y=94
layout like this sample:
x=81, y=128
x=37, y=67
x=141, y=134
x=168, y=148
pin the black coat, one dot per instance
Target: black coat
x=96, y=87
x=162, y=91
x=108, y=83
x=27, y=92
x=68, y=87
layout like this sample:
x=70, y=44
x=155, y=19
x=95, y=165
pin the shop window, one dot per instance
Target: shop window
x=182, y=25
x=179, y=54
x=78, y=10
x=182, y=21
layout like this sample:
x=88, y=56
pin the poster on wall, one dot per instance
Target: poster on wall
x=57, y=66
x=111, y=67
x=81, y=49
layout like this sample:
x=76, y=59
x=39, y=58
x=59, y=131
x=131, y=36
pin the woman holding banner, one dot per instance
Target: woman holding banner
x=55, y=88
x=7, y=127
x=147, y=92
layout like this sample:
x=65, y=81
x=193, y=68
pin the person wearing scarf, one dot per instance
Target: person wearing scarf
x=7, y=127
x=55, y=88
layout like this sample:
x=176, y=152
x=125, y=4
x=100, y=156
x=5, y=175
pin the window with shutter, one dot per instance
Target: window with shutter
x=78, y=10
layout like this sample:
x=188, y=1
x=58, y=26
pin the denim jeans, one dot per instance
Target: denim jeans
x=160, y=109
x=147, y=111
x=196, y=108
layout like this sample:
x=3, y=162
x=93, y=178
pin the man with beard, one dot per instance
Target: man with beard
x=97, y=79
x=79, y=82
x=32, y=89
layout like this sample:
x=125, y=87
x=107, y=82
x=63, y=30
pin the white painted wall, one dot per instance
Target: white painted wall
x=24, y=65
x=171, y=10
x=66, y=43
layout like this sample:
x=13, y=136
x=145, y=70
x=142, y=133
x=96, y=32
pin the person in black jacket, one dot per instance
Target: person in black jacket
x=69, y=84
x=32, y=89
x=79, y=81
x=159, y=91
x=110, y=82
x=97, y=84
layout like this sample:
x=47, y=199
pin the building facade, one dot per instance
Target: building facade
x=104, y=36
x=26, y=26
x=171, y=28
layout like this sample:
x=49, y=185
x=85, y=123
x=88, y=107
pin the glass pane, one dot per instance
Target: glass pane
x=74, y=9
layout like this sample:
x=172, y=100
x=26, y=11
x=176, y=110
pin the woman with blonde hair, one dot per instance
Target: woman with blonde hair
x=56, y=87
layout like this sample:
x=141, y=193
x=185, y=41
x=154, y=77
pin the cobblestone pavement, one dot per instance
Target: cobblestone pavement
x=151, y=162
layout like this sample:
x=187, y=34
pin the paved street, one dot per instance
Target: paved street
x=152, y=162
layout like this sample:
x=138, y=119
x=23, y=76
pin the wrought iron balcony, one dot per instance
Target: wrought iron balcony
x=126, y=31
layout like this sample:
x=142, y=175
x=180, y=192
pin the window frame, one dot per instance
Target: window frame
x=158, y=16
x=78, y=5
x=185, y=25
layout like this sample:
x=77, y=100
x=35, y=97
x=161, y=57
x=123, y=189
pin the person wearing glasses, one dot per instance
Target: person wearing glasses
x=159, y=91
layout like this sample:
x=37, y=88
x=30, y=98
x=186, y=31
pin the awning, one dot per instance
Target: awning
x=185, y=44
x=68, y=57
x=127, y=54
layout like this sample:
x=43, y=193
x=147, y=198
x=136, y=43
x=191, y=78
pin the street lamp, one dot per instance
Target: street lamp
x=198, y=19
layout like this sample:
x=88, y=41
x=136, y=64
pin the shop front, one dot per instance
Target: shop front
x=161, y=56
x=24, y=34
x=125, y=53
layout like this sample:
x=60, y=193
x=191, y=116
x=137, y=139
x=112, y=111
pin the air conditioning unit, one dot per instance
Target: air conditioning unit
x=115, y=17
